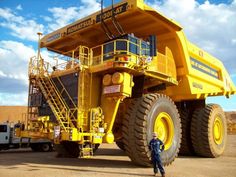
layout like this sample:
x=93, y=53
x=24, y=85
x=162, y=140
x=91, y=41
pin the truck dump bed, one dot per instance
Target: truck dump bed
x=134, y=17
x=198, y=73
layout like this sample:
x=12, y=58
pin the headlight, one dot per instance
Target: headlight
x=117, y=78
x=106, y=79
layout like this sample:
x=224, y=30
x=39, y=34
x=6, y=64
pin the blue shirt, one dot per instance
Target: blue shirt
x=156, y=146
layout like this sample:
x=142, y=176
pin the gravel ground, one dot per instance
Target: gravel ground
x=110, y=161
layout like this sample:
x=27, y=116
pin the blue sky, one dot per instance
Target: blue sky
x=209, y=24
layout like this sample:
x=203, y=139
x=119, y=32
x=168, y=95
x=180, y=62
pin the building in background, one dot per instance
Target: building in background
x=13, y=113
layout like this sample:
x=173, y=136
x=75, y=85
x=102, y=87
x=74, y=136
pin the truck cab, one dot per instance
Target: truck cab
x=4, y=134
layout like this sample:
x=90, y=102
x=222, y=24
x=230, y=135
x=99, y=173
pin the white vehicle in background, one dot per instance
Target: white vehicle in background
x=9, y=140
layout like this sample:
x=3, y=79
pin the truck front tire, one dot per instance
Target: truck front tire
x=152, y=112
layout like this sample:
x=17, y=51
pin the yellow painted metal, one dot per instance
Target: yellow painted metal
x=74, y=135
x=114, y=112
x=109, y=138
x=218, y=130
x=17, y=132
x=127, y=84
x=65, y=136
x=84, y=98
x=164, y=127
x=43, y=118
x=34, y=134
x=109, y=116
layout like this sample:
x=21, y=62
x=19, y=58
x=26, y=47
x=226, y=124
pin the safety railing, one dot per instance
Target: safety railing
x=85, y=56
x=80, y=56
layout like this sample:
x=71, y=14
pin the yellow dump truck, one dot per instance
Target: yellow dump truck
x=120, y=74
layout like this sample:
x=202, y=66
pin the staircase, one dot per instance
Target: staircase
x=65, y=115
x=62, y=112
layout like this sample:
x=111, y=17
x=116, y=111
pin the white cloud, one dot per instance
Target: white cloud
x=19, y=7
x=210, y=26
x=19, y=26
x=63, y=16
x=16, y=99
x=233, y=41
x=26, y=29
x=2, y=74
x=14, y=58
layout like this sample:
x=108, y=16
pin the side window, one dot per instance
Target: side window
x=121, y=45
x=3, y=128
x=133, y=48
x=108, y=51
x=108, y=48
x=145, y=49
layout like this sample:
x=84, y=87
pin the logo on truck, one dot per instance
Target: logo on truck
x=196, y=64
x=53, y=37
x=107, y=14
x=80, y=26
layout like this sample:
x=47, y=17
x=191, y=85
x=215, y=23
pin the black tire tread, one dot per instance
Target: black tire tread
x=200, y=131
x=186, y=147
x=133, y=129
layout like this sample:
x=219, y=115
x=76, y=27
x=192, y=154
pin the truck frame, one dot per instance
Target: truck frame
x=128, y=71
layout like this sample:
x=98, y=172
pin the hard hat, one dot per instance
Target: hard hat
x=154, y=134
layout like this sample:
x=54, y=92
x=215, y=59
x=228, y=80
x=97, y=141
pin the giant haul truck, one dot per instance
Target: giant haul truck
x=128, y=71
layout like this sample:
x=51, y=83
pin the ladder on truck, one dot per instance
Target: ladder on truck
x=65, y=115
x=85, y=82
x=84, y=98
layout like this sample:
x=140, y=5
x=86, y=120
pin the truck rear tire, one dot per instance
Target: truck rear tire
x=152, y=112
x=209, y=131
x=186, y=147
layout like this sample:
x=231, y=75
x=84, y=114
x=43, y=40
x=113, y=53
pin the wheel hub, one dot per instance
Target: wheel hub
x=165, y=129
x=218, y=130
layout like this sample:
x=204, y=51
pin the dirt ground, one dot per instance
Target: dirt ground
x=110, y=161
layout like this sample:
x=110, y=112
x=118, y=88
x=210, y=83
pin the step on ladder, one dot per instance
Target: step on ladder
x=87, y=151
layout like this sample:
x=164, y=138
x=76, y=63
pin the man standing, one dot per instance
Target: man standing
x=156, y=146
